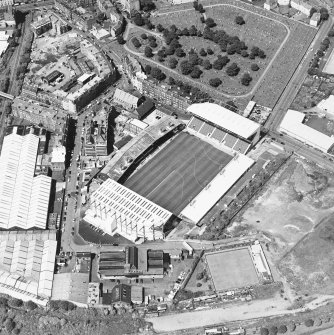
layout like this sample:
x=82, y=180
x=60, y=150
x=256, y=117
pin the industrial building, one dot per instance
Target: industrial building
x=27, y=265
x=132, y=262
x=218, y=123
x=24, y=197
x=292, y=125
x=117, y=210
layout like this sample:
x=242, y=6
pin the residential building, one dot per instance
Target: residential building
x=117, y=210
x=24, y=198
x=127, y=100
x=130, y=5
x=270, y=4
x=4, y=3
x=301, y=6
x=134, y=71
x=96, y=140
x=165, y=95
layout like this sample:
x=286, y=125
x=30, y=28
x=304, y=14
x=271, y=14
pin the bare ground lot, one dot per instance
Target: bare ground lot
x=176, y=174
x=298, y=198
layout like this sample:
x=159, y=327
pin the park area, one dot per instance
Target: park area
x=231, y=269
x=178, y=172
x=252, y=33
x=282, y=44
x=294, y=212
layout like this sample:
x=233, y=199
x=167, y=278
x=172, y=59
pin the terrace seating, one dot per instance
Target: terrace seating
x=218, y=135
x=241, y=146
x=230, y=140
x=195, y=124
x=206, y=129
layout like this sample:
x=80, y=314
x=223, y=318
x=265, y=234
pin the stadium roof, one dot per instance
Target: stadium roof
x=209, y=196
x=116, y=209
x=293, y=126
x=225, y=118
x=24, y=199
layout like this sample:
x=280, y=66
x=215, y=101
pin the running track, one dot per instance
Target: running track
x=176, y=174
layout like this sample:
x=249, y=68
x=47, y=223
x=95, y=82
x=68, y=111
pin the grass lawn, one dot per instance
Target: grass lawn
x=192, y=284
x=257, y=31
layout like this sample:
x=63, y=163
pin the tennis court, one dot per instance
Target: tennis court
x=178, y=172
x=231, y=269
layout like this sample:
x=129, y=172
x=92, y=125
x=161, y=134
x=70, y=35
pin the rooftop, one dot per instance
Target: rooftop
x=225, y=118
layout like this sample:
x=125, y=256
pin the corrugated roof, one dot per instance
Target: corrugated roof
x=225, y=118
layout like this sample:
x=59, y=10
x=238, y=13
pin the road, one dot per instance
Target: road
x=297, y=79
x=36, y=5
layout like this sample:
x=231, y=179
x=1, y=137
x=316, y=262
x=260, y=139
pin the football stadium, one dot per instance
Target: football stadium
x=170, y=173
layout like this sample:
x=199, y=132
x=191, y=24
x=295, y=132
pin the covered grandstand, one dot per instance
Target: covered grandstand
x=293, y=126
x=224, y=126
x=216, y=189
x=139, y=147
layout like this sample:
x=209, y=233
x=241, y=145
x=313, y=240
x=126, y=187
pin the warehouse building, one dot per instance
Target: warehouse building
x=24, y=198
x=293, y=126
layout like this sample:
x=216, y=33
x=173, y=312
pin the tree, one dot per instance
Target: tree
x=3, y=302
x=160, y=28
x=148, y=52
x=312, y=11
x=9, y=325
x=173, y=63
x=196, y=72
x=255, y=67
x=138, y=20
x=201, y=9
x=244, y=53
x=199, y=275
x=30, y=305
x=147, y=5
x=206, y=64
x=232, y=70
x=264, y=331
x=282, y=329
x=292, y=326
x=193, y=31
x=179, y=52
x=210, y=22
x=231, y=106
x=239, y=20
x=199, y=284
x=153, y=44
x=193, y=59
x=331, y=33
x=186, y=67
x=195, y=5
x=217, y=64
x=261, y=54
x=215, y=82
x=309, y=323
x=326, y=42
x=320, y=53
x=209, y=51
x=273, y=330
x=16, y=302
x=120, y=39
x=324, y=14
x=143, y=36
x=202, y=52
x=136, y=43
x=148, y=69
x=246, y=79
x=171, y=81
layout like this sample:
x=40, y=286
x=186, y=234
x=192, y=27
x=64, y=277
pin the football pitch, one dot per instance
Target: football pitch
x=178, y=172
x=231, y=269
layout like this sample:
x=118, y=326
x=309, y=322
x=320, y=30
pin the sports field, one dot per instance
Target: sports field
x=177, y=173
x=231, y=269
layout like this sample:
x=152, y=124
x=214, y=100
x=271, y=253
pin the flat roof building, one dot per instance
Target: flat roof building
x=24, y=198
x=117, y=210
x=293, y=126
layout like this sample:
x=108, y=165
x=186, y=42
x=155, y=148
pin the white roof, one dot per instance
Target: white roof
x=24, y=198
x=58, y=154
x=327, y=104
x=225, y=118
x=293, y=126
x=209, y=196
x=85, y=76
x=138, y=123
x=125, y=97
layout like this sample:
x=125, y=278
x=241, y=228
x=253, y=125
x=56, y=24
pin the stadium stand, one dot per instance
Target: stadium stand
x=241, y=146
x=218, y=135
x=207, y=129
x=195, y=124
x=230, y=140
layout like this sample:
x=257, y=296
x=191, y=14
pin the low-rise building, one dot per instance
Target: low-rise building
x=315, y=20
x=270, y=4
x=127, y=100
x=301, y=6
